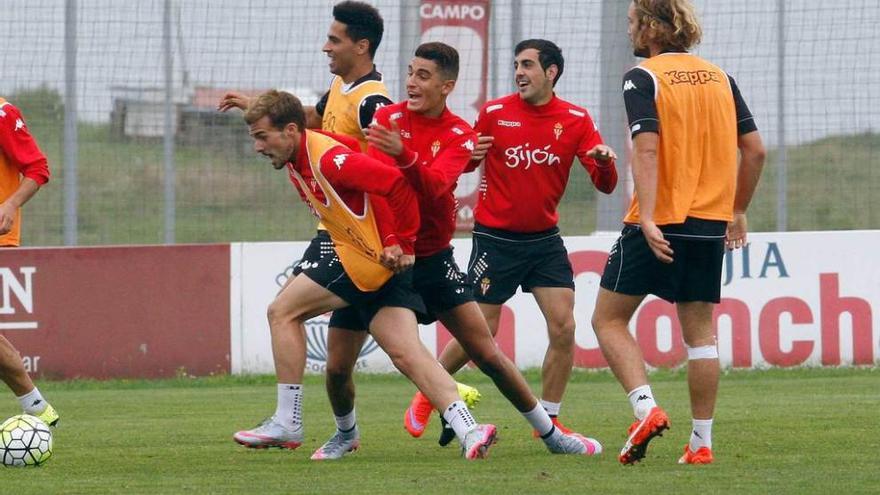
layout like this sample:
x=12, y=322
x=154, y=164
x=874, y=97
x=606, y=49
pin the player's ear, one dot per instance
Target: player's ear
x=362, y=46
x=447, y=87
x=292, y=130
x=552, y=71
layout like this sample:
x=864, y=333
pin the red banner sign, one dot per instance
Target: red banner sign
x=118, y=311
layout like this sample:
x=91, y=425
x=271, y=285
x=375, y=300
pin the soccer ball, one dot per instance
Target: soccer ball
x=25, y=441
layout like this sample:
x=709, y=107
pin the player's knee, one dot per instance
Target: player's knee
x=489, y=360
x=279, y=313
x=401, y=360
x=337, y=374
x=561, y=333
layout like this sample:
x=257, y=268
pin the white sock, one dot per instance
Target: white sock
x=33, y=402
x=345, y=424
x=701, y=436
x=642, y=400
x=539, y=419
x=552, y=408
x=288, y=412
x=459, y=418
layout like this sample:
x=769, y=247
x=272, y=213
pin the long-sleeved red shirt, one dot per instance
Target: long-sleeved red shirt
x=527, y=167
x=19, y=157
x=352, y=174
x=436, y=152
x=19, y=146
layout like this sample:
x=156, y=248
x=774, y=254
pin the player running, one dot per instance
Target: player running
x=529, y=141
x=371, y=214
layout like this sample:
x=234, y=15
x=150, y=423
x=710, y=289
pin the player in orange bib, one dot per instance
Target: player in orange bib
x=687, y=119
x=371, y=213
x=23, y=169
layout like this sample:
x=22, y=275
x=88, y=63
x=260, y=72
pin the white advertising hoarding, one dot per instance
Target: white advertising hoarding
x=791, y=299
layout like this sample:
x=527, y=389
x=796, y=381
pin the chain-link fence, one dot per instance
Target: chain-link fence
x=122, y=98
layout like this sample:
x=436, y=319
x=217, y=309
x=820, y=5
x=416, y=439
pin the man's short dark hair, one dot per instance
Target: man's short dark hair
x=443, y=55
x=362, y=21
x=548, y=54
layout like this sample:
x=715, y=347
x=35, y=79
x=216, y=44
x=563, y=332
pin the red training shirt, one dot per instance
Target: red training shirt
x=528, y=165
x=436, y=152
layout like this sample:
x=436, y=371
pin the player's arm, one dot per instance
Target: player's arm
x=19, y=146
x=315, y=114
x=484, y=141
x=751, y=163
x=446, y=168
x=234, y=99
x=367, y=109
x=359, y=172
x=597, y=158
x=641, y=110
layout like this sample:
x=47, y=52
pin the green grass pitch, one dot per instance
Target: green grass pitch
x=776, y=431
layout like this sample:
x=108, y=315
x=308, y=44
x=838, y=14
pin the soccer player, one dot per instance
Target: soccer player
x=432, y=146
x=529, y=141
x=371, y=213
x=347, y=108
x=687, y=119
x=23, y=170
x=357, y=88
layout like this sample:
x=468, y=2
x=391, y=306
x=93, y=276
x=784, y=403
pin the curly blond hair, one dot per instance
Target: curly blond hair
x=674, y=22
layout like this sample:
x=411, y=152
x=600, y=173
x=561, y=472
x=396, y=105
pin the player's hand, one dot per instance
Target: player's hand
x=233, y=100
x=482, y=147
x=658, y=244
x=385, y=140
x=7, y=217
x=602, y=153
x=392, y=258
x=737, y=231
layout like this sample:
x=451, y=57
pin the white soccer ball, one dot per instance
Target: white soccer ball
x=25, y=441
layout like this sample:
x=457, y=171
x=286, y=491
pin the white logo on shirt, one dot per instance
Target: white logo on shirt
x=468, y=145
x=19, y=124
x=509, y=123
x=628, y=85
x=339, y=160
x=457, y=131
x=395, y=116
x=405, y=133
x=524, y=154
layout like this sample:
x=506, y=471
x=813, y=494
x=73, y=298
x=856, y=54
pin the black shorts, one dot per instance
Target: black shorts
x=320, y=246
x=502, y=261
x=693, y=275
x=397, y=291
x=436, y=278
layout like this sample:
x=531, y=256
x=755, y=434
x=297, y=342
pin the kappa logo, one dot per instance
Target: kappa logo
x=339, y=160
x=468, y=145
x=692, y=77
x=509, y=123
x=19, y=124
x=628, y=85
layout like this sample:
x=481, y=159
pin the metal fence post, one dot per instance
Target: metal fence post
x=71, y=188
